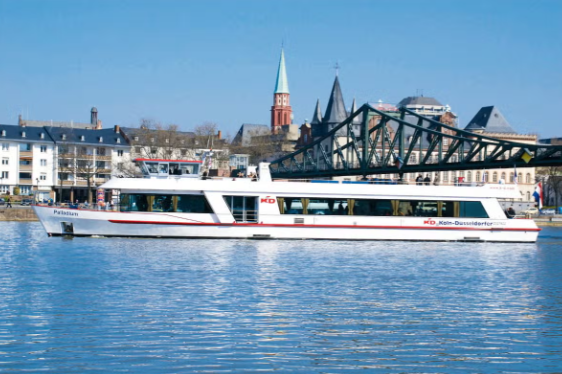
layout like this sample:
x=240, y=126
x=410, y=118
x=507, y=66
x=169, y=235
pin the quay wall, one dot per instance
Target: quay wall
x=17, y=214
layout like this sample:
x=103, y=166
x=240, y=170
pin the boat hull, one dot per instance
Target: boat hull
x=57, y=221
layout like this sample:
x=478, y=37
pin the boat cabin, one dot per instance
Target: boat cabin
x=156, y=168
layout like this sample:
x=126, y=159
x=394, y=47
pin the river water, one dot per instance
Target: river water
x=234, y=306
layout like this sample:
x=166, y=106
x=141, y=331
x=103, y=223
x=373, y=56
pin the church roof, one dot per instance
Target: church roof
x=335, y=111
x=282, y=84
x=317, y=116
x=247, y=130
x=418, y=100
x=490, y=119
x=357, y=119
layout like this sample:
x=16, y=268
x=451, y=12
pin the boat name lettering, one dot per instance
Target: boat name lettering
x=461, y=223
x=57, y=212
x=267, y=200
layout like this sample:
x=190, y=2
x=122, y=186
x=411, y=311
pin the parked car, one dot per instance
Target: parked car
x=531, y=211
x=26, y=202
x=2, y=201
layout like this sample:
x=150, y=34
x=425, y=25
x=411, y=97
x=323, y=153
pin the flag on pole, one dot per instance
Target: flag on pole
x=538, y=194
x=398, y=162
x=515, y=174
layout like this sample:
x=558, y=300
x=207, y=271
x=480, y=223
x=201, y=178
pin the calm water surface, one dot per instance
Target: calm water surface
x=231, y=306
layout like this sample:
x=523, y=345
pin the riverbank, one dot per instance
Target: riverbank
x=17, y=214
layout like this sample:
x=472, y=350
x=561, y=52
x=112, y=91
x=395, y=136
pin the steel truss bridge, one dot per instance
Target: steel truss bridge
x=373, y=142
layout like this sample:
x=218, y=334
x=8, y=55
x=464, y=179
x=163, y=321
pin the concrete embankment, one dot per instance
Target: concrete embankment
x=17, y=214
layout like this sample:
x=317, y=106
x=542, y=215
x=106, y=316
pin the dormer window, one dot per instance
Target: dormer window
x=63, y=136
x=82, y=138
x=101, y=139
x=118, y=140
x=3, y=132
x=42, y=136
x=23, y=134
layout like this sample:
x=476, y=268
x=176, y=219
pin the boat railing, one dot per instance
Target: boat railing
x=244, y=215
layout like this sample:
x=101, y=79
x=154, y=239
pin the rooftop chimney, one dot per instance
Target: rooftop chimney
x=219, y=134
x=117, y=129
x=94, y=117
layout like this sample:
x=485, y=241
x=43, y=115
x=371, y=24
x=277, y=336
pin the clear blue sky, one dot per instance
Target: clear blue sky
x=188, y=62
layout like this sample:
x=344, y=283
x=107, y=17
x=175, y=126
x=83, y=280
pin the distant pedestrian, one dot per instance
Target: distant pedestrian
x=419, y=180
x=427, y=180
x=436, y=180
x=9, y=202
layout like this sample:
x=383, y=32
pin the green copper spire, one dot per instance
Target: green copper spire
x=282, y=85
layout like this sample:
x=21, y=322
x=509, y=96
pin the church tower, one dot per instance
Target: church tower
x=281, y=111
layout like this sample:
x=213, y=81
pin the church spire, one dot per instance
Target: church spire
x=335, y=111
x=317, y=116
x=282, y=84
x=281, y=112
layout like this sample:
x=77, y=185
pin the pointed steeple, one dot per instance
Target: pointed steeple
x=357, y=119
x=317, y=116
x=335, y=111
x=282, y=85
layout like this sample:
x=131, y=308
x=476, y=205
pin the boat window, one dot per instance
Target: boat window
x=193, y=204
x=164, y=203
x=372, y=207
x=243, y=208
x=472, y=209
x=152, y=167
x=381, y=207
x=332, y=207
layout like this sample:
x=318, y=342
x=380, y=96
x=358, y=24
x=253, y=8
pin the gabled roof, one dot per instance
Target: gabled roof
x=244, y=135
x=107, y=137
x=282, y=84
x=67, y=124
x=317, y=116
x=32, y=134
x=418, y=100
x=490, y=119
x=335, y=111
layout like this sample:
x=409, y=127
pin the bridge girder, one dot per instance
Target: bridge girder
x=388, y=144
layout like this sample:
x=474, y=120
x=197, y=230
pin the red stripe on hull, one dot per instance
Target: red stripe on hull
x=319, y=226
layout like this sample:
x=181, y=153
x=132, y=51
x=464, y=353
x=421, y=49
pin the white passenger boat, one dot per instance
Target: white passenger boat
x=172, y=204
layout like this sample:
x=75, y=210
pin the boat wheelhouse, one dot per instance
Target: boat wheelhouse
x=179, y=205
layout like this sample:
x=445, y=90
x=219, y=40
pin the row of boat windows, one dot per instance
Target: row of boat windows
x=246, y=205
x=164, y=203
x=381, y=207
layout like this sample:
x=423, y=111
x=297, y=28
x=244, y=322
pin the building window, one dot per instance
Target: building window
x=43, y=177
x=100, y=151
x=5, y=174
x=25, y=147
x=528, y=179
x=503, y=177
x=528, y=196
x=5, y=146
x=120, y=152
x=43, y=148
x=511, y=177
x=469, y=176
x=25, y=190
x=478, y=175
x=495, y=177
x=5, y=161
x=25, y=162
x=4, y=189
x=43, y=162
x=25, y=175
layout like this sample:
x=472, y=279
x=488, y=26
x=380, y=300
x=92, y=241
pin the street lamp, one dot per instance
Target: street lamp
x=37, y=191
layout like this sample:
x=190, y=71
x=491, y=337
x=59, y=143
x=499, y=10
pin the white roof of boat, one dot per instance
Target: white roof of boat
x=247, y=186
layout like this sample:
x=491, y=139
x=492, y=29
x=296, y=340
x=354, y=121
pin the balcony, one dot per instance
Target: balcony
x=26, y=154
x=26, y=167
x=26, y=181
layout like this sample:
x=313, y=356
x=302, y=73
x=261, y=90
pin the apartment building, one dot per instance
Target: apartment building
x=27, y=161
